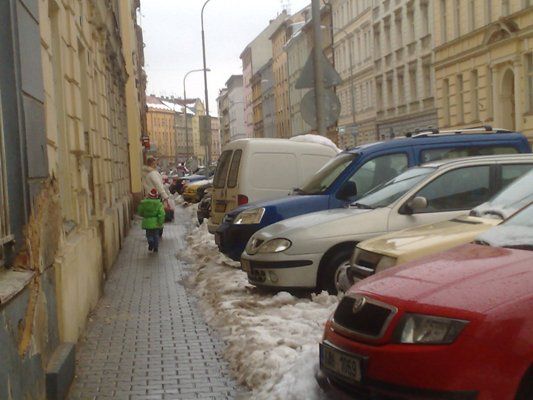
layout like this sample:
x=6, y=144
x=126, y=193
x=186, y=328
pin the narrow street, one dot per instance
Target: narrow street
x=146, y=338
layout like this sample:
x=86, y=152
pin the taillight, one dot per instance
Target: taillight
x=242, y=199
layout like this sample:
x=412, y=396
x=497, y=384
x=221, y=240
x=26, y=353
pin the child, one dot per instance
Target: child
x=153, y=213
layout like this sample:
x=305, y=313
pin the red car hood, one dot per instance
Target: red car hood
x=472, y=278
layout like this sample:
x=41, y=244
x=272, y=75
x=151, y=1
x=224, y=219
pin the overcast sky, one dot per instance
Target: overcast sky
x=172, y=35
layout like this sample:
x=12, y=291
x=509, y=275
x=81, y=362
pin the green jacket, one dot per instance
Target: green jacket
x=152, y=212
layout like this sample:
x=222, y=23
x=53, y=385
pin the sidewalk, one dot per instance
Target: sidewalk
x=147, y=338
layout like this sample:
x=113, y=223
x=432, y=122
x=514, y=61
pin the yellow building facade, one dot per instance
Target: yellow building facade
x=484, y=64
x=160, y=121
x=85, y=97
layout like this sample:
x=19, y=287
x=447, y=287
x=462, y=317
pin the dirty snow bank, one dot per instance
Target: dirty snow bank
x=272, y=339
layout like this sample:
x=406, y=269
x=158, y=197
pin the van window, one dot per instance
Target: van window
x=273, y=171
x=222, y=169
x=378, y=171
x=234, y=169
x=511, y=172
x=447, y=153
x=326, y=175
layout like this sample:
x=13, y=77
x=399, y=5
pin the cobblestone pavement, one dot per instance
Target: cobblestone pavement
x=146, y=338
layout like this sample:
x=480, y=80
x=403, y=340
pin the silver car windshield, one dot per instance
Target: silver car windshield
x=391, y=191
x=509, y=200
x=516, y=232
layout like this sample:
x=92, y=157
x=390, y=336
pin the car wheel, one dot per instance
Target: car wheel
x=330, y=270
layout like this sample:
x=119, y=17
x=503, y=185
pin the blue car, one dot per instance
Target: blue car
x=356, y=171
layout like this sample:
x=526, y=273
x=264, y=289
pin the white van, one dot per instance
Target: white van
x=251, y=170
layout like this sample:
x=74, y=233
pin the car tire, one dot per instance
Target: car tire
x=329, y=268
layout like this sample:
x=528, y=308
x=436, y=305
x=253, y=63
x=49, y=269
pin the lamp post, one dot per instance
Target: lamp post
x=208, y=141
x=185, y=105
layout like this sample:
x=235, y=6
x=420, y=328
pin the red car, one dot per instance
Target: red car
x=456, y=325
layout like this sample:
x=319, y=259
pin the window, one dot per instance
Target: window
x=444, y=21
x=410, y=23
x=505, y=7
x=472, y=14
x=424, y=10
x=460, y=189
x=234, y=169
x=490, y=102
x=390, y=93
x=457, y=18
x=474, y=95
x=513, y=171
x=379, y=170
x=398, y=25
x=459, y=97
x=449, y=153
x=530, y=81
x=412, y=83
x=446, y=102
x=426, y=69
x=488, y=11
x=379, y=94
x=221, y=173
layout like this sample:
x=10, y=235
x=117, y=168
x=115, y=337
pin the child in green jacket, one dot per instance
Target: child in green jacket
x=153, y=213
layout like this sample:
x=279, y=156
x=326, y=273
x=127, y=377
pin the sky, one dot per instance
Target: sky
x=173, y=44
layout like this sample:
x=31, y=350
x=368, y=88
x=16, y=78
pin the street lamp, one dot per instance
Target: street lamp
x=208, y=141
x=205, y=70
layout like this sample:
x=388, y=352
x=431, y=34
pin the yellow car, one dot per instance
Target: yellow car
x=194, y=191
x=383, y=252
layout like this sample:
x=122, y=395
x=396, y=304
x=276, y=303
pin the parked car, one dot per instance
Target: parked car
x=204, y=207
x=454, y=325
x=194, y=192
x=383, y=252
x=367, y=167
x=180, y=183
x=309, y=251
x=259, y=169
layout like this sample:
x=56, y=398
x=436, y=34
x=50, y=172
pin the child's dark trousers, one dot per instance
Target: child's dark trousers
x=152, y=235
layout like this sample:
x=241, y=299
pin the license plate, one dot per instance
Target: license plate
x=342, y=364
x=217, y=238
x=220, y=207
x=245, y=265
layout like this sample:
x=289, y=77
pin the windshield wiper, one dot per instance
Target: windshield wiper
x=520, y=246
x=362, y=206
x=493, y=212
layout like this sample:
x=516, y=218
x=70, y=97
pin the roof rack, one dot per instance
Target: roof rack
x=475, y=129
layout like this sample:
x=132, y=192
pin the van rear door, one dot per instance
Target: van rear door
x=218, y=203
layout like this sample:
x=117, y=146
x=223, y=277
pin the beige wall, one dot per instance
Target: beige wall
x=484, y=65
x=132, y=59
x=160, y=125
x=87, y=143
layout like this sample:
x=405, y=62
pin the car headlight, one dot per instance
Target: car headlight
x=249, y=217
x=385, y=263
x=275, y=246
x=427, y=329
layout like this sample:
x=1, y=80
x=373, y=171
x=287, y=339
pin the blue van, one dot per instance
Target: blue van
x=356, y=171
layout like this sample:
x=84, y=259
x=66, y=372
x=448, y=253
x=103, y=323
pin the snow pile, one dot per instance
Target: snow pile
x=272, y=339
x=310, y=138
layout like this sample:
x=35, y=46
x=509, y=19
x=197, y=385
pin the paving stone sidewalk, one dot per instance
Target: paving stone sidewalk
x=146, y=338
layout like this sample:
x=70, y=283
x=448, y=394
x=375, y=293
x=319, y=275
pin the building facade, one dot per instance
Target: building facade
x=267, y=100
x=281, y=82
x=133, y=46
x=353, y=43
x=403, y=66
x=255, y=55
x=66, y=195
x=484, y=64
x=161, y=122
x=257, y=105
x=223, y=115
x=235, y=102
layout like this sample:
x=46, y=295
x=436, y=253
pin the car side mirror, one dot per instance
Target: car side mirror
x=417, y=203
x=347, y=191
